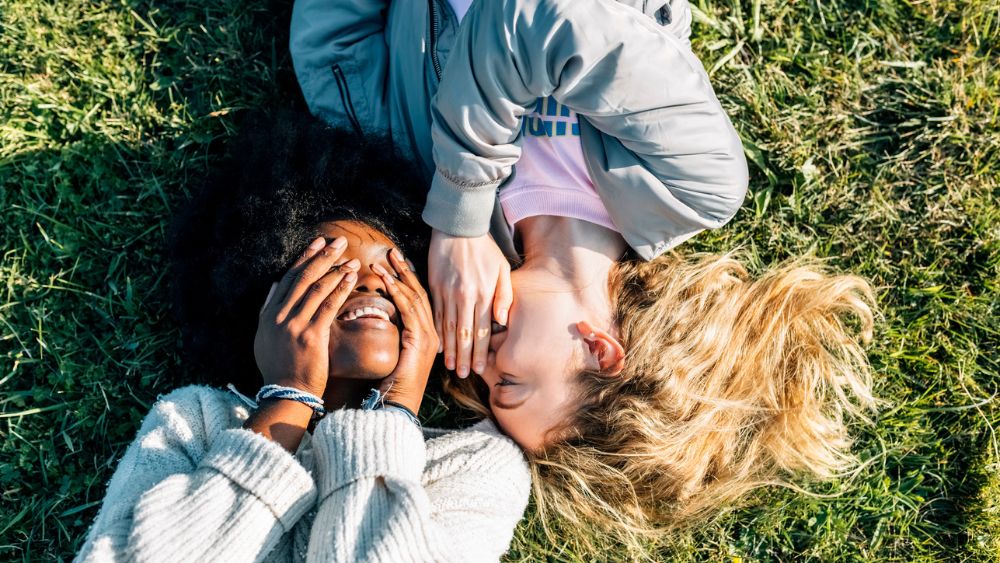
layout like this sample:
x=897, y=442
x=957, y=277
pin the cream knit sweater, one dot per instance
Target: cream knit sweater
x=365, y=486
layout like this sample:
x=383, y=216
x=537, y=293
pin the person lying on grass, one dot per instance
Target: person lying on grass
x=648, y=388
x=612, y=84
x=210, y=477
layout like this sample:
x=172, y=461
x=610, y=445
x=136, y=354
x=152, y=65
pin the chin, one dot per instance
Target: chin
x=364, y=374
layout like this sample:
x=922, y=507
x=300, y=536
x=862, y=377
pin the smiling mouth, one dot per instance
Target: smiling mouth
x=367, y=308
x=366, y=313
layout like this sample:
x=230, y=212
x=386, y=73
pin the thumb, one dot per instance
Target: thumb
x=503, y=297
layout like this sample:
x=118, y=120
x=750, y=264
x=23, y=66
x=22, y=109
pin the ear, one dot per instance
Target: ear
x=605, y=350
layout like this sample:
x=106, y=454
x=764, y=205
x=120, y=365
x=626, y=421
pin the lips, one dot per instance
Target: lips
x=367, y=307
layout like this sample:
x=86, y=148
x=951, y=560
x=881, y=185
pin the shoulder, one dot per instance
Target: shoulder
x=193, y=413
x=480, y=448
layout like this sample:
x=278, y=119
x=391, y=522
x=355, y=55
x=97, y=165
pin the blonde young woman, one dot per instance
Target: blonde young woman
x=647, y=388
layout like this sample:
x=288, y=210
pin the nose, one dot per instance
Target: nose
x=371, y=283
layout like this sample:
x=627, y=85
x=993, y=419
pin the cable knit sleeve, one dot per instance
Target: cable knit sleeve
x=385, y=495
x=195, y=486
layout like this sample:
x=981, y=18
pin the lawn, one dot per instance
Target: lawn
x=873, y=130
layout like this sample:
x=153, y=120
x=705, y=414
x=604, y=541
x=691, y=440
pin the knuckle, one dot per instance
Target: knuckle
x=306, y=338
x=465, y=334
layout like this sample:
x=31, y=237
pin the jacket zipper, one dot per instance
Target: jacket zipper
x=345, y=98
x=435, y=29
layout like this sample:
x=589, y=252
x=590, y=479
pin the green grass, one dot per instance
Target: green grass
x=874, y=131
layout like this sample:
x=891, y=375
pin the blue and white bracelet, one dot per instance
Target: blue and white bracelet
x=281, y=392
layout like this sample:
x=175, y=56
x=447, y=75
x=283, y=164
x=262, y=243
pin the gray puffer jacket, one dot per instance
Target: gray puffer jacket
x=661, y=151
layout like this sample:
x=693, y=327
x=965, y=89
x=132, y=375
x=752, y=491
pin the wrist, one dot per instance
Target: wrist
x=281, y=421
x=297, y=384
x=410, y=403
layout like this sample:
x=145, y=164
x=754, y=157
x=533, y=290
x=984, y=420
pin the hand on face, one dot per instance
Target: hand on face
x=293, y=331
x=406, y=383
x=376, y=327
x=470, y=282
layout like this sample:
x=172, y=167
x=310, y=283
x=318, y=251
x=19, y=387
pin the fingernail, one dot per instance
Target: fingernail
x=339, y=242
x=463, y=371
x=397, y=254
x=480, y=366
x=354, y=264
x=449, y=363
x=350, y=277
x=317, y=244
x=384, y=273
x=502, y=316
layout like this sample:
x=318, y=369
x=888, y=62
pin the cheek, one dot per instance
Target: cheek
x=537, y=344
x=523, y=430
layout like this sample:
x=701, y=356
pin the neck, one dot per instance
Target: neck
x=575, y=249
x=345, y=392
x=576, y=252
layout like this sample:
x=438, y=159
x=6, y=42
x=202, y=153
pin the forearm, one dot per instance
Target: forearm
x=383, y=497
x=281, y=421
x=193, y=483
x=366, y=462
x=615, y=66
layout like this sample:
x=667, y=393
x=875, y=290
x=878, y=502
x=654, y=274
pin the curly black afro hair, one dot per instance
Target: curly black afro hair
x=258, y=211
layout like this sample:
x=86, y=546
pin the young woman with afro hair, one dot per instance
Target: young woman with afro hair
x=290, y=272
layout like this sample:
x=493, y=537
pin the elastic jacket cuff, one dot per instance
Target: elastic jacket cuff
x=460, y=211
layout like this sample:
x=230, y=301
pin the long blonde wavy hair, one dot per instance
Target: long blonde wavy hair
x=730, y=383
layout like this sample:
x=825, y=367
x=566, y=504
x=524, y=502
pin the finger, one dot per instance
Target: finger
x=270, y=293
x=330, y=306
x=439, y=322
x=410, y=280
x=320, y=289
x=450, y=318
x=504, y=296
x=317, y=267
x=466, y=324
x=402, y=297
x=406, y=273
x=481, y=344
x=286, y=280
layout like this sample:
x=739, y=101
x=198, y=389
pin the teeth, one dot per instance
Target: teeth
x=366, y=311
